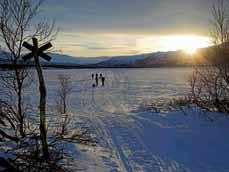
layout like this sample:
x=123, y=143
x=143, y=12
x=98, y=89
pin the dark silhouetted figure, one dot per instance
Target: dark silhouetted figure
x=103, y=80
x=100, y=77
x=96, y=80
x=92, y=75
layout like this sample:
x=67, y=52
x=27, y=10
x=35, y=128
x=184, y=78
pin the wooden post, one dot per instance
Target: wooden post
x=36, y=52
x=42, y=88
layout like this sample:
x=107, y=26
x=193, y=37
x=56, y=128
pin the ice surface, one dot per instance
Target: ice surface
x=136, y=141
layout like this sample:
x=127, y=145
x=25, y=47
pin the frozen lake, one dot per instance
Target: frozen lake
x=136, y=141
x=125, y=88
x=146, y=142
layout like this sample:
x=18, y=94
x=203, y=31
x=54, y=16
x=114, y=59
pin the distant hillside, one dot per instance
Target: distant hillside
x=157, y=59
x=123, y=60
x=142, y=60
x=178, y=58
x=212, y=55
x=172, y=58
x=59, y=58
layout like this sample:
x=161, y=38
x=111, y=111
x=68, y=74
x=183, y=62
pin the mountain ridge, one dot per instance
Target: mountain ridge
x=154, y=59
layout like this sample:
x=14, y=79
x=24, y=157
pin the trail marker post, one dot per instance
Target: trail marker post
x=36, y=52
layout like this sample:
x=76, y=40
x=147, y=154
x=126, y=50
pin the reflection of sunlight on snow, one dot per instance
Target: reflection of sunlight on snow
x=125, y=89
x=131, y=140
x=108, y=111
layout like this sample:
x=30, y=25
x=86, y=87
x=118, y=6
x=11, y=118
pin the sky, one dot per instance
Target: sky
x=125, y=27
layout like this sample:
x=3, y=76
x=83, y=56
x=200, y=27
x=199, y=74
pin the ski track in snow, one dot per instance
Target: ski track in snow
x=118, y=133
x=137, y=142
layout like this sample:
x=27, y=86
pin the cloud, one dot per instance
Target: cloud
x=88, y=47
x=107, y=27
x=131, y=16
x=88, y=44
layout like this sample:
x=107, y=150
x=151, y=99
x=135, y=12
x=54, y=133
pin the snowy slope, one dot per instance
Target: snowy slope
x=124, y=60
x=141, y=60
x=171, y=58
x=66, y=59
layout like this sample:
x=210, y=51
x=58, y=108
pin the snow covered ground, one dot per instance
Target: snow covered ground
x=141, y=141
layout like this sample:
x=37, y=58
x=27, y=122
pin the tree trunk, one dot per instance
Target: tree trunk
x=20, y=113
x=19, y=101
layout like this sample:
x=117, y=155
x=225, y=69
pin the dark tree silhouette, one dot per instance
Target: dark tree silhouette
x=16, y=26
x=210, y=80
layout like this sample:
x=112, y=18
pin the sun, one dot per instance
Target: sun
x=190, y=49
x=187, y=43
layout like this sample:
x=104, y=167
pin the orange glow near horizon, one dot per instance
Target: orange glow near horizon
x=112, y=44
x=187, y=43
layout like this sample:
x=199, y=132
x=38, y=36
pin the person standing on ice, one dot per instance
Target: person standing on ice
x=92, y=75
x=100, y=77
x=103, y=80
x=96, y=80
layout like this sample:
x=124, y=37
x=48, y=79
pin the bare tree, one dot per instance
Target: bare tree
x=18, y=24
x=210, y=80
x=16, y=18
x=64, y=90
x=7, y=120
x=219, y=30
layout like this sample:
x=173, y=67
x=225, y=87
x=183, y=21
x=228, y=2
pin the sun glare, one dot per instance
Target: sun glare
x=190, y=49
x=188, y=43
